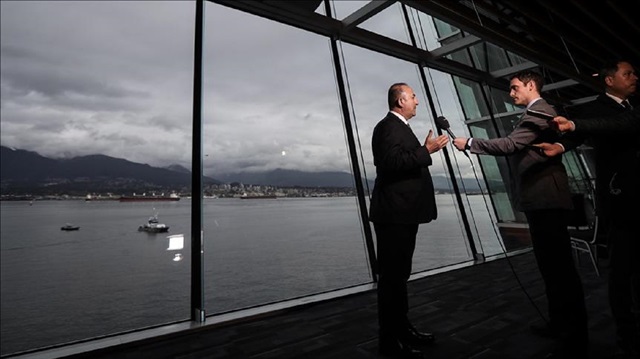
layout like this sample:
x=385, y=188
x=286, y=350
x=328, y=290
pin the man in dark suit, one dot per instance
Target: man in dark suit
x=623, y=127
x=541, y=191
x=624, y=196
x=402, y=198
x=619, y=80
x=614, y=158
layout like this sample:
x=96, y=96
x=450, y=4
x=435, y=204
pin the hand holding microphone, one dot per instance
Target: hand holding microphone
x=459, y=142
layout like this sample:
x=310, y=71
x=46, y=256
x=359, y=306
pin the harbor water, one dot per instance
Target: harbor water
x=107, y=277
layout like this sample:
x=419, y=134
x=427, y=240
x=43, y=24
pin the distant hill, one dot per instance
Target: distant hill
x=177, y=168
x=24, y=171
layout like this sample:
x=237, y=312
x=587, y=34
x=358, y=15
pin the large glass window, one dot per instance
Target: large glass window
x=114, y=80
x=441, y=242
x=281, y=214
x=272, y=116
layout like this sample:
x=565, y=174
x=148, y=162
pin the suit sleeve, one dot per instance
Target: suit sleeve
x=524, y=134
x=398, y=150
x=571, y=140
x=529, y=131
x=624, y=123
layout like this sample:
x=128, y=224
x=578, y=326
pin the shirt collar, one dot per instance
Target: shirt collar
x=533, y=101
x=400, y=117
x=615, y=98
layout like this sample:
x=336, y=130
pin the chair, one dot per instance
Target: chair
x=583, y=228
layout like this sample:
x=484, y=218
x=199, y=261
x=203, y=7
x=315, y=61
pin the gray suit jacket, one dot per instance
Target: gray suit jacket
x=539, y=182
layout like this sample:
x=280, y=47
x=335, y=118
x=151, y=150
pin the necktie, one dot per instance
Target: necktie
x=627, y=105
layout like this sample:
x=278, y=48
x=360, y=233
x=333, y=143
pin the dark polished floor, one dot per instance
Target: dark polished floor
x=477, y=312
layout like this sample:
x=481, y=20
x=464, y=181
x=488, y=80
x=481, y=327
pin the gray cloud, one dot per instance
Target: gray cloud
x=115, y=78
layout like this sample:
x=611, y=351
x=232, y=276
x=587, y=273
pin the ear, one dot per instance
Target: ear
x=608, y=80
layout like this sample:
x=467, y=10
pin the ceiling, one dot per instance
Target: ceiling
x=568, y=40
x=571, y=39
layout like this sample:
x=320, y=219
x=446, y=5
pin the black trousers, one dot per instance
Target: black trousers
x=624, y=280
x=395, y=246
x=563, y=286
x=624, y=249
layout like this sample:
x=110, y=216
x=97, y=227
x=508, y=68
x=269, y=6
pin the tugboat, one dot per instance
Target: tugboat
x=69, y=227
x=153, y=226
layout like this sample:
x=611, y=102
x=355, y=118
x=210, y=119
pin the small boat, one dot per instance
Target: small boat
x=69, y=227
x=153, y=226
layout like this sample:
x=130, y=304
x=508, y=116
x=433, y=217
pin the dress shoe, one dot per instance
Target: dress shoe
x=628, y=348
x=544, y=331
x=565, y=351
x=628, y=341
x=414, y=337
x=562, y=354
x=399, y=349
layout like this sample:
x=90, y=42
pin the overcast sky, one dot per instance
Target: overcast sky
x=115, y=78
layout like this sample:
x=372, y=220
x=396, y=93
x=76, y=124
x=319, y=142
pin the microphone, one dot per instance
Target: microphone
x=443, y=124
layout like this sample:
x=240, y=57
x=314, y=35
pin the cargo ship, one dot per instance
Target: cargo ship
x=258, y=196
x=150, y=198
x=98, y=197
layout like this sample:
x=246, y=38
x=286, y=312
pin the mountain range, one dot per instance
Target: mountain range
x=23, y=171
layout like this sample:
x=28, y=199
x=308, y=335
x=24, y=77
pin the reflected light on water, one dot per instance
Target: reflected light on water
x=176, y=242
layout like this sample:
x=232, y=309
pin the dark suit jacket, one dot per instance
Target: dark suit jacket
x=611, y=153
x=623, y=132
x=403, y=190
x=626, y=123
x=602, y=107
x=540, y=182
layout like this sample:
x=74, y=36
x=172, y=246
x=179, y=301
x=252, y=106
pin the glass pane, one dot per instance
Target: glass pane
x=389, y=23
x=489, y=57
x=80, y=79
x=342, y=9
x=449, y=94
x=442, y=241
x=273, y=125
x=426, y=30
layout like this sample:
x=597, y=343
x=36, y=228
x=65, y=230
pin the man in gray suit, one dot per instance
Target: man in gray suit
x=541, y=191
x=402, y=198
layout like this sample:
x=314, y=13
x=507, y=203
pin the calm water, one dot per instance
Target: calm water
x=107, y=277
